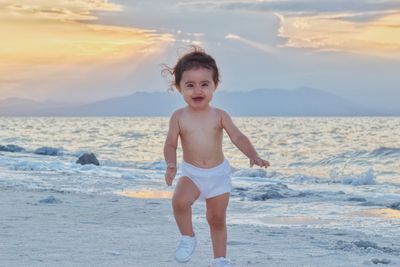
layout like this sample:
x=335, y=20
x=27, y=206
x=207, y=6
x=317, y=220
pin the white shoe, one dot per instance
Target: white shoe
x=185, y=248
x=221, y=262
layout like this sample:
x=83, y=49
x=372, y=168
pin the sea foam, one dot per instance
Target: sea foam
x=365, y=178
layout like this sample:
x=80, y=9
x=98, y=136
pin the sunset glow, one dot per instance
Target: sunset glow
x=90, y=50
x=146, y=194
x=330, y=33
x=59, y=32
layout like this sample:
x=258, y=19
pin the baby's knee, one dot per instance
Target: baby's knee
x=217, y=221
x=179, y=203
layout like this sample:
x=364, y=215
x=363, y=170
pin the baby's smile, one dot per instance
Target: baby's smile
x=198, y=98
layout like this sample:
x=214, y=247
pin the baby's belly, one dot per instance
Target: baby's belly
x=205, y=158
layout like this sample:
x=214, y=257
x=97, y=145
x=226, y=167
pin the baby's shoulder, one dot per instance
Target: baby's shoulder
x=177, y=113
x=221, y=113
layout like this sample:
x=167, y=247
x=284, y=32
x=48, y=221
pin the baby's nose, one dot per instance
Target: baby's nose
x=197, y=88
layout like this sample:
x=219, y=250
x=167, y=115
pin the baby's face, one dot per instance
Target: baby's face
x=197, y=87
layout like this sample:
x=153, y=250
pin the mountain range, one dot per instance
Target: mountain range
x=260, y=102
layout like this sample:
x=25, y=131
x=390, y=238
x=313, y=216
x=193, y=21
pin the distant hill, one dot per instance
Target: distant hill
x=299, y=102
x=260, y=102
x=137, y=104
x=15, y=106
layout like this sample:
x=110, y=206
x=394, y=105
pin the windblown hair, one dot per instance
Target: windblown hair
x=195, y=58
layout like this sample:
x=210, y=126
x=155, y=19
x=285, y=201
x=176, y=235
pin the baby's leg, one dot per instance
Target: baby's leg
x=186, y=192
x=216, y=217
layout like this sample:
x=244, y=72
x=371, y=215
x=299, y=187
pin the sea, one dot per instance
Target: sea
x=325, y=171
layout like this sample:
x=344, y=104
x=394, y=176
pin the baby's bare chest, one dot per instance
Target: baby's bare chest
x=200, y=128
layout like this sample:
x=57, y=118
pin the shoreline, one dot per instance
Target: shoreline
x=44, y=228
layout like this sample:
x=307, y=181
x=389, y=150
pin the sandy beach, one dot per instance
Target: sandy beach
x=48, y=228
x=325, y=202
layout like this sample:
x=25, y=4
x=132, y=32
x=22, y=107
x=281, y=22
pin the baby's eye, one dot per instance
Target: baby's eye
x=204, y=84
x=189, y=85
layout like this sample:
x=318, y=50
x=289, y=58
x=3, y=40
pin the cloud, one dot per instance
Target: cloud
x=79, y=10
x=307, y=6
x=232, y=36
x=326, y=33
x=363, y=17
x=257, y=45
x=49, y=37
x=189, y=38
x=351, y=26
x=65, y=32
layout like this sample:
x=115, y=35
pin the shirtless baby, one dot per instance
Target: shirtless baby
x=205, y=171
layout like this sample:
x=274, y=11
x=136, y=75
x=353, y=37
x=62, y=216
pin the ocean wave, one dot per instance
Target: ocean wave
x=11, y=148
x=338, y=177
x=154, y=165
x=349, y=156
x=276, y=191
x=44, y=150
x=395, y=206
x=385, y=152
x=26, y=165
x=366, y=178
x=133, y=135
x=249, y=173
x=49, y=151
x=356, y=199
x=268, y=191
x=364, y=245
x=339, y=158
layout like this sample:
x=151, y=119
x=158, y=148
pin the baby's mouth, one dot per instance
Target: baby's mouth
x=197, y=98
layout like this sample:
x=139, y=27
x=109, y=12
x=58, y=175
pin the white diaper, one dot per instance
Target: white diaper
x=211, y=182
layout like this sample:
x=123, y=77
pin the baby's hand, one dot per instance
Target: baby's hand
x=259, y=162
x=170, y=174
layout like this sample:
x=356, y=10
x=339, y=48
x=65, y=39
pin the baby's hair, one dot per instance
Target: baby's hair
x=195, y=58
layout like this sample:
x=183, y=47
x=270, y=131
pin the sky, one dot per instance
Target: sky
x=89, y=50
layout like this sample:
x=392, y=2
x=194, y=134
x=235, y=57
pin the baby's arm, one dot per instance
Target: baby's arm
x=241, y=141
x=170, y=146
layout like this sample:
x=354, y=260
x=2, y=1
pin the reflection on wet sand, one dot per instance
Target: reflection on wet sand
x=146, y=193
x=386, y=213
x=281, y=220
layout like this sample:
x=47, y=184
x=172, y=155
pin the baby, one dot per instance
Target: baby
x=205, y=171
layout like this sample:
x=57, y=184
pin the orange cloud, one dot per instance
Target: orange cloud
x=50, y=36
x=59, y=10
x=380, y=37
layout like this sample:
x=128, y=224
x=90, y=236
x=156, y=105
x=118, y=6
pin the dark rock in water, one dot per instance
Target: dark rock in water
x=356, y=199
x=305, y=194
x=343, y=245
x=50, y=200
x=395, y=206
x=382, y=261
x=270, y=194
x=88, y=158
x=50, y=151
x=365, y=244
x=240, y=189
x=11, y=148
